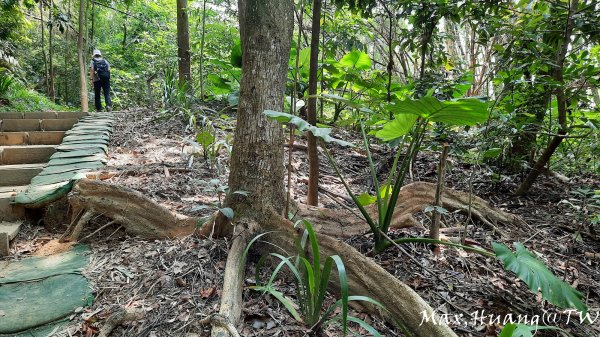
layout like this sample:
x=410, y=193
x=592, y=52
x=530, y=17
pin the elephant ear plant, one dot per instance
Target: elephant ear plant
x=407, y=129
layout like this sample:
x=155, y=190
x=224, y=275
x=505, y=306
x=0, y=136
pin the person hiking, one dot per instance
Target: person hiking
x=100, y=77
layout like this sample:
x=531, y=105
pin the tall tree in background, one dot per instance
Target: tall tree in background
x=80, y=49
x=51, y=92
x=557, y=74
x=313, y=153
x=183, y=43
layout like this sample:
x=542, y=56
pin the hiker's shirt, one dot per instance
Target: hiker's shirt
x=96, y=78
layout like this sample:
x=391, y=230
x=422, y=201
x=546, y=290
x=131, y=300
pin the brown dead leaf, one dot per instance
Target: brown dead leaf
x=207, y=292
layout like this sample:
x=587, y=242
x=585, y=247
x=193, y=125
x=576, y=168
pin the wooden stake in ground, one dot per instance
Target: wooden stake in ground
x=434, y=230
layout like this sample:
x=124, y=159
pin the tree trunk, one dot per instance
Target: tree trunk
x=313, y=153
x=51, y=92
x=44, y=59
x=561, y=104
x=183, y=44
x=257, y=157
x=201, y=60
x=83, y=93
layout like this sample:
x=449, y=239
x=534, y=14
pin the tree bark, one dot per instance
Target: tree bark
x=313, y=153
x=183, y=44
x=257, y=155
x=51, y=92
x=45, y=60
x=201, y=60
x=83, y=93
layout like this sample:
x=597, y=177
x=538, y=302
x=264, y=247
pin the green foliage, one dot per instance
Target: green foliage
x=539, y=278
x=356, y=60
x=304, y=126
x=424, y=110
x=20, y=98
x=6, y=81
x=312, y=279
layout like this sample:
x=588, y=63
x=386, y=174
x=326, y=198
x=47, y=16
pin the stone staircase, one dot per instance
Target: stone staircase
x=27, y=142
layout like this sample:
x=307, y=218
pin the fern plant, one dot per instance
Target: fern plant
x=311, y=280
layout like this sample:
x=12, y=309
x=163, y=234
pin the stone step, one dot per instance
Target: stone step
x=8, y=231
x=14, y=125
x=42, y=115
x=26, y=154
x=31, y=138
x=8, y=211
x=58, y=124
x=20, y=174
x=19, y=125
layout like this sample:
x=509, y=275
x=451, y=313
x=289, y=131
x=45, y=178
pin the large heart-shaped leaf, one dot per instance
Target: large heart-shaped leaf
x=396, y=128
x=356, y=60
x=303, y=126
x=461, y=112
x=538, y=277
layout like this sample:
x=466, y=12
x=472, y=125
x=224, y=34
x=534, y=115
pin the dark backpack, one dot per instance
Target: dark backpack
x=101, y=69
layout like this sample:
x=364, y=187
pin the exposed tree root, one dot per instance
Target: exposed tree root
x=137, y=213
x=220, y=322
x=119, y=318
x=143, y=217
x=233, y=280
x=405, y=307
x=413, y=198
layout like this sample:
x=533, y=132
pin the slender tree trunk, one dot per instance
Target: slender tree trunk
x=183, y=43
x=561, y=102
x=201, y=61
x=83, y=93
x=313, y=153
x=93, y=19
x=51, y=92
x=257, y=158
x=43, y=45
x=124, y=41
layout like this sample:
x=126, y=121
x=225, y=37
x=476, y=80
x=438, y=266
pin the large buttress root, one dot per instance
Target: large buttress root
x=137, y=213
x=144, y=217
x=413, y=198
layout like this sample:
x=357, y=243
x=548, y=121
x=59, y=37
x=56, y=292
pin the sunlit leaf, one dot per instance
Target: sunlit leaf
x=398, y=127
x=523, y=330
x=366, y=199
x=461, y=112
x=356, y=60
x=205, y=138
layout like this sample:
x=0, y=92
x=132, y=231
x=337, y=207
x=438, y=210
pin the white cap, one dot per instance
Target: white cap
x=96, y=52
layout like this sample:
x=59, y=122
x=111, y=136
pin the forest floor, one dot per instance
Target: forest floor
x=177, y=282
